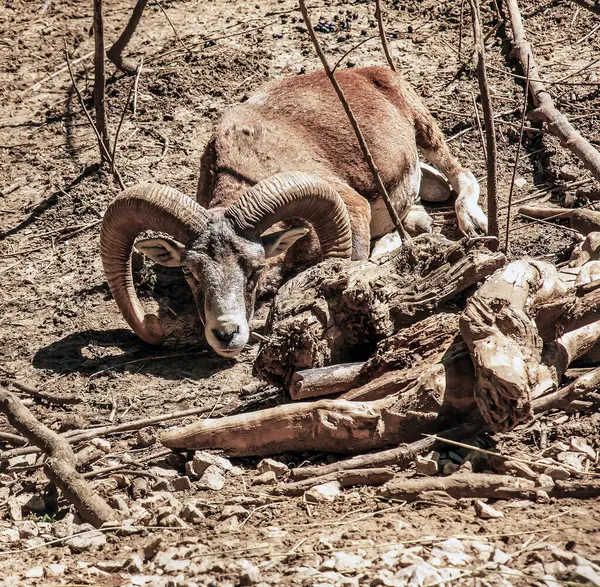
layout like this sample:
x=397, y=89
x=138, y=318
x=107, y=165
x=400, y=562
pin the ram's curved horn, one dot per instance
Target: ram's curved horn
x=137, y=209
x=295, y=194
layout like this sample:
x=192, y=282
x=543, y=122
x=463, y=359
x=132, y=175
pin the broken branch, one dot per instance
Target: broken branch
x=60, y=464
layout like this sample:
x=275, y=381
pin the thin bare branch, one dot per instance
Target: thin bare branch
x=99, y=81
x=359, y=135
x=115, y=53
x=488, y=115
x=384, y=42
x=514, y=173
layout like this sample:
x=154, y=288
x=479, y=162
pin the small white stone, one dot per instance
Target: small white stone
x=55, y=570
x=86, y=541
x=35, y=573
x=486, y=511
x=191, y=513
x=579, y=445
x=266, y=478
x=520, y=182
x=134, y=564
x=272, y=465
x=233, y=510
x=324, y=492
x=500, y=557
x=212, y=479
x=570, y=459
x=450, y=468
x=101, y=444
x=426, y=466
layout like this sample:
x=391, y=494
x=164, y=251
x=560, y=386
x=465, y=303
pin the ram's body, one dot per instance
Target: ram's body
x=293, y=130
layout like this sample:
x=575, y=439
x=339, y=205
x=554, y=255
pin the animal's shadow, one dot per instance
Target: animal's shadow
x=185, y=353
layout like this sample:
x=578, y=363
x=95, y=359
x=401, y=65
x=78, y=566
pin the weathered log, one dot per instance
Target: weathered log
x=347, y=478
x=353, y=306
x=60, y=464
x=324, y=380
x=504, y=342
x=585, y=221
x=588, y=250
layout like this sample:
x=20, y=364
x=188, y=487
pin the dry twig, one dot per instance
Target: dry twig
x=45, y=395
x=115, y=53
x=384, y=43
x=514, y=173
x=490, y=131
x=99, y=81
x=360, y=137
x=60, y=464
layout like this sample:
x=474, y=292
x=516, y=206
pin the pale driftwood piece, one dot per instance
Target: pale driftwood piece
x=324, y=380
x=115, y=53
x=60, y=464
x=348, y=478
x=504, y=342
x=364, y=302
x=545, y=110
x=578, y=389
x=588, y=250
x=546, y=212
x=408, y=354
x=51, y=398
x=585, y=221
x=473, y=485
x=401, y=457
x=490, y=129
x=334, y=426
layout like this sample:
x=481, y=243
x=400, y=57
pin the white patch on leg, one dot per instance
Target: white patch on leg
x=471, y=218
x=417, y=221
x=390, y=242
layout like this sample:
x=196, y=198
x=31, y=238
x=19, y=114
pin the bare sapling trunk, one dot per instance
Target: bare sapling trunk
x=99, y=81
x=115, y=53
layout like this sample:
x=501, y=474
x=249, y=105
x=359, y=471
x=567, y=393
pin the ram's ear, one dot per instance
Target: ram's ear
x=279, y=242
x=163, y=251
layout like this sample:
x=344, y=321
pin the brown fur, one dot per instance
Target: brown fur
x=299, y=124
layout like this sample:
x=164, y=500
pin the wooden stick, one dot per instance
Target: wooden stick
x=401, y=457
x=75, y=436
x=45, y=395
x=179, y=39
x=514, y=173
x=545, y=110
x=324, y=380
x=490, y=131
x=578, y=389
x=479, y=128
x=384, y=43
x=99, y=81
x=132, y=85
x=359, y=135
x=105, y=152
x=115, y=53
x=60, y=464
x=12, y=438
x=347, y=478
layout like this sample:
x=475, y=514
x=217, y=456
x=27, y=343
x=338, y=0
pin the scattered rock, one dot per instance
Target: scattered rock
x=212, y=478
x=542, y=496
x=64, y=527
x=500, y=557
x=520, y=182
x=545, y=481
x=266, y=478
x=324, y=492
x=233, y=510
x=250, y=574
x=35, y=573
x=555, y=448
x=101, y=444
x=181, y=484
x=579, y=445
x=119, y=503
x=231, y=524
x=9, y=535
x=236, y=471
x=172, y=521
x=569, y=172
x=277, y=467
x=139, y=487
x=152, y=548
x=27, y=529
x=203, y=460
x=134, y=564
x=191, y=513
x=428, y=464
x=146, y=437
x=110, y=566
x=87, y=541
x=486, y=511
x=570, y=459
x=34, y=503
x=344, y=562
x=557, y=473
x=55, y=570
x=584, y=574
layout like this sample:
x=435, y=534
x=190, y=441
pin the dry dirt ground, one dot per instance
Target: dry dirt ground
x=61, y=331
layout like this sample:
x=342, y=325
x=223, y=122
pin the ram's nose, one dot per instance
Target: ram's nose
x=226, y=333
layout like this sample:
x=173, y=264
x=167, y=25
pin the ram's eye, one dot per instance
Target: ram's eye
x=256, y=273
